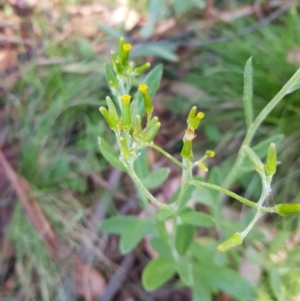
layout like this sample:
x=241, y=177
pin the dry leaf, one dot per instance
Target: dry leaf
x=89, y=283
x=8, y=58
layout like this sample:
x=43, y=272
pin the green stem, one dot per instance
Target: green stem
x=200, y=184
x=139, y=183
x=245, y=201
x=186, y=179
x=255, y=125
x=162, y=151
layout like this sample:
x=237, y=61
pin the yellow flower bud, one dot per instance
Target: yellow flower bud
x=194, y=118
x=126, y=114
x=127, y=47
x=143, y=88
x=210, y=153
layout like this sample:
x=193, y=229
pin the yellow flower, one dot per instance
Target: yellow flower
x=126, y=98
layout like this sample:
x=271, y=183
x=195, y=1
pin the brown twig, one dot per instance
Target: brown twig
x=118, y=278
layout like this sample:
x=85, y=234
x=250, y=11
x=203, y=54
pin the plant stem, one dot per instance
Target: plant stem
x=162, y=151
x=255, y=125
x=139, y=183
x=186, y=178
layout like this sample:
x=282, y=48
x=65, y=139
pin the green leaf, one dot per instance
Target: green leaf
x=261, y=148
x=156, y=178
x=109, y=154
x=161, y=247
x=157, y=272
x=163, y=214
x=161, y=228
x=248, y=91
x=154, y=11
x=109, y=73
x=295, y=87
x=165, y=51
x=275, y=284
x=141, y=165
x=184, y=238
x=197, y=219
x=153, y=79
x=133, y=234
x=184, y=269
x=111, y=31
x=226, y=280
x=117, y=224
x=201, y=291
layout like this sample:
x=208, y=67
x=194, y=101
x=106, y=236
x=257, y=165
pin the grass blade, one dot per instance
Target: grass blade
x=248, y=93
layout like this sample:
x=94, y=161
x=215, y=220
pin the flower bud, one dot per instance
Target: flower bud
x=271, y=160
x=187, y=151
x=138, y=126
x=126, y=115
x=124, y=50
x=141, y=69
x=110, y=76
x=143, y=88
x=286, y=209
x=111, y=121
x=234, y=240
x=113, y=60
x=151, y=130
x=112, y=108
x=210, y=153
x=194, y=118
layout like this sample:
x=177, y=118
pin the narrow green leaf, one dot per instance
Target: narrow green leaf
x=184, y=269
x=248, y=90
x=153, y=79
x=109, y=154
x=157, y=272
x=117, y=224
x=184, y=238
x=133, y=234
x=295, y=87
x=109, y=74
x=156, y=178
x=197, y=219
x=111, y=31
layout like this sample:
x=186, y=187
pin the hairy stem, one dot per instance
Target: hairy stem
x=162, y=151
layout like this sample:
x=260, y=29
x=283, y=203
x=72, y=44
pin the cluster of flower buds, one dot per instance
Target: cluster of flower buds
x=122, y=72
x=122, y=67
x=125, y=122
